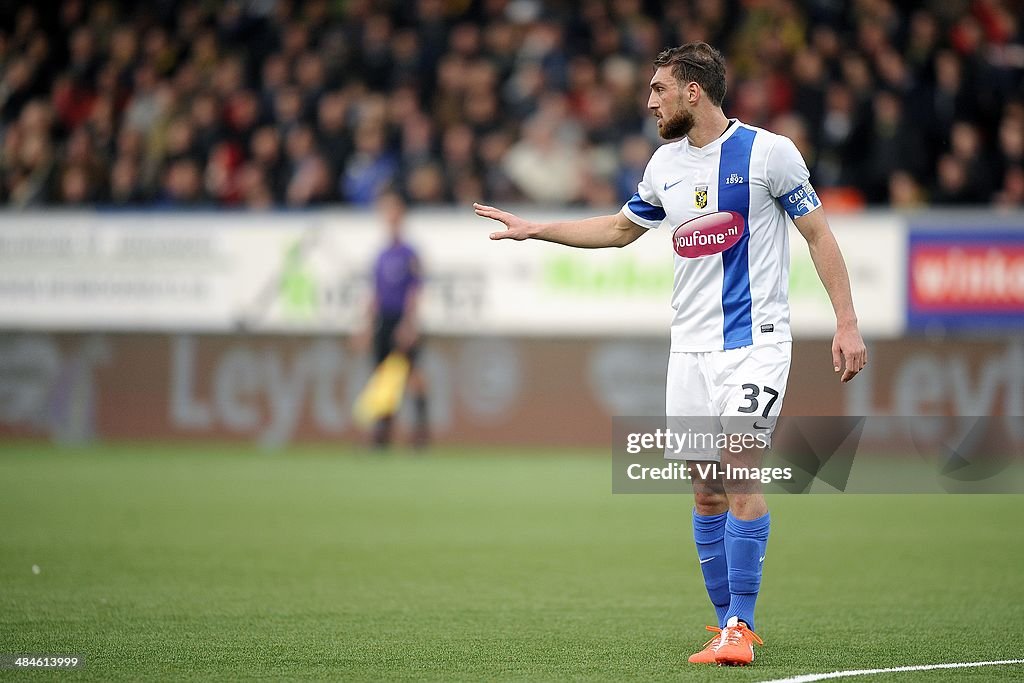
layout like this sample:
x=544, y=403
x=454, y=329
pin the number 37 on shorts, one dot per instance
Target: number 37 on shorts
x=745, y=382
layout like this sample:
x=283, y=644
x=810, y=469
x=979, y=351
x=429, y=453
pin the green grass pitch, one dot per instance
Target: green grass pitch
x=217, y=563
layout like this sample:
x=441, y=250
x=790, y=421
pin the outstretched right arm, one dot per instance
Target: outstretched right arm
x=589, y=233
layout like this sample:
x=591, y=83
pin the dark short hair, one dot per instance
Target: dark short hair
x=697, y=62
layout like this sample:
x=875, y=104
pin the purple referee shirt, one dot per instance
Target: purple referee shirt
x=396, y=273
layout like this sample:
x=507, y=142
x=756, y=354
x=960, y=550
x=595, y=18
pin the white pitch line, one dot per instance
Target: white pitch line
x=809, y=678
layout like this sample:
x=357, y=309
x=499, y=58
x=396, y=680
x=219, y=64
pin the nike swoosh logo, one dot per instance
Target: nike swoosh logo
x=757, y=426
x=667, y=186
x=708, y=559
x=762, y=558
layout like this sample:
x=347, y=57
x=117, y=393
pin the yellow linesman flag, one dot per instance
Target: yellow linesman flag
x=383, y=391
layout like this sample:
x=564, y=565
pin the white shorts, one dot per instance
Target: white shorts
x=742, y=389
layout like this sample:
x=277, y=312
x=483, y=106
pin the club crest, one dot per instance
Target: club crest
x=700, y=196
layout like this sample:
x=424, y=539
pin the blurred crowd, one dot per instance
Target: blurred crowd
x=264, y=103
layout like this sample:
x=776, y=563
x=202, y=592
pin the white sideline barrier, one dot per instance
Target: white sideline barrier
x=308, y=272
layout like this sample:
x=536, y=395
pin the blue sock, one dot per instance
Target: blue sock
x=745, y=543
x=709, y=534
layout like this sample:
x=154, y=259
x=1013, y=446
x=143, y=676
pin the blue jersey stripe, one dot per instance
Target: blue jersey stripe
x=734, y=195
x=645, y=210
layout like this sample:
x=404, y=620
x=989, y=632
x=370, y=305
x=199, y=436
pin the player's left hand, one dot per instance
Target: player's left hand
x=848, y=346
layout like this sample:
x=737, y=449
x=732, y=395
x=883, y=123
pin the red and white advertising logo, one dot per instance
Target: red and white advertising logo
x=982, y=277
x=709, y=234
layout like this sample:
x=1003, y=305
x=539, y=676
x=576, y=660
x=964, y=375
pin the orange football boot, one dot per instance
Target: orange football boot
x=707, y=654
x=737, y=646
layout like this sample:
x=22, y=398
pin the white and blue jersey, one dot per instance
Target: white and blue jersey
x=739, y=296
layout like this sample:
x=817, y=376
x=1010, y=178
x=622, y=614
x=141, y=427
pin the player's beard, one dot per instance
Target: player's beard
x=677, y=126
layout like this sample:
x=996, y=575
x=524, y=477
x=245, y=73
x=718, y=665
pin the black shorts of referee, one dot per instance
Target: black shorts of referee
x=384, y=339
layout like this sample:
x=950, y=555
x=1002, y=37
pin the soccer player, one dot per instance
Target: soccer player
x=393, y=318
x=731, y=342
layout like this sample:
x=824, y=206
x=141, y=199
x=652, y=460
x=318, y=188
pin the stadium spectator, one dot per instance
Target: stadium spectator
x=124, y=189
x=265, y=158
x=634, y=154
x=1011, y=139
x=75, y=186
x=371, y=168
x=545, y=165
x=334, y=139
x=952, y=186
x=1011, y=194
x=182, y=185
x=442, y=96
x=905, y=194
x=887, y=142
